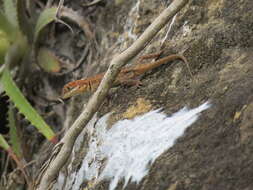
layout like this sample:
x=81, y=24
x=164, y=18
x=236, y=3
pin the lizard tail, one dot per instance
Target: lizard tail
x=146, y=67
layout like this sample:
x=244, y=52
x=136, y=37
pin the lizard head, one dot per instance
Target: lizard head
x=73, y=89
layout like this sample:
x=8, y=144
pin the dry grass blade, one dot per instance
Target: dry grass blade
x=92, y=3
x=65, y=12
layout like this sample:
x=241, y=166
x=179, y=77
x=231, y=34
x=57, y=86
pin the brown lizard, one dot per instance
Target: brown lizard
x=127, y=75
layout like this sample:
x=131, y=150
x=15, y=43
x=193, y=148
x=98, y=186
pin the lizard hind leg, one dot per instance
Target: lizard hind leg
x=148, y=56
x=129, y=78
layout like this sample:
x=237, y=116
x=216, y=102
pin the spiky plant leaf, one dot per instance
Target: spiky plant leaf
x=48, y=61
x=10, y=11
x=3, y=143
x=46, y=17
x=24, y=106
x=14, y=138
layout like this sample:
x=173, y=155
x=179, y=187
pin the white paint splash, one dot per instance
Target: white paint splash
x=127, y=150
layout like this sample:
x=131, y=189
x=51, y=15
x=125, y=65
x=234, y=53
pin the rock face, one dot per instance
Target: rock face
x=216, y=37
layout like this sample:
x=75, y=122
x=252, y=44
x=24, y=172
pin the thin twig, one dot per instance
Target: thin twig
x=169, y=29
x=91, y=3
x=49, y=3
x=61, y=154
x=59, y=9
x=60, y=5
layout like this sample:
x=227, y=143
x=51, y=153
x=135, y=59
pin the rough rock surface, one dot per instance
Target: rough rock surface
x=216, y=36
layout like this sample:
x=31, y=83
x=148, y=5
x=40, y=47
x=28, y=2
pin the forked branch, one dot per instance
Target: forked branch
x=64, y=148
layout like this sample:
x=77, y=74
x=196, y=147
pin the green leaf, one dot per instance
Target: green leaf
x=3, y=143
x=10, y=11
x=6, y=27
x=14, y=138
x=15, y=52
x=24, y=106
x=4, y=45
x=48, y=61
x=24, y=22
x=46, y=17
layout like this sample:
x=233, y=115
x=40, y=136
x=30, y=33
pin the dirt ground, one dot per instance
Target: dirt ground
x=216, y=37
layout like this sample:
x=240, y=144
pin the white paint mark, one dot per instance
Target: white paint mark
x=127, y=150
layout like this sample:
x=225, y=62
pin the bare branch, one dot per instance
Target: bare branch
x=62, y=153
